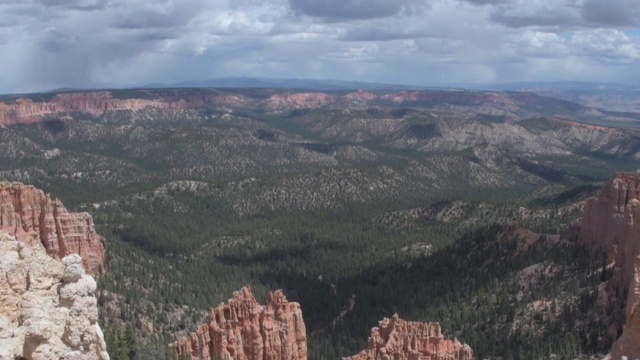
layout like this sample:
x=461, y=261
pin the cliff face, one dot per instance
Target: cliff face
x=26, y=110
x=612, y=221
x=33, y=218
x=245, y=330
x=96, y=102
x=47, y=308
x=403, y=340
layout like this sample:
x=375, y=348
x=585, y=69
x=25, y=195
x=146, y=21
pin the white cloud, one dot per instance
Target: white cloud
x=57, y=43
x=538, y=44
x=607, y=44
x=541, y=13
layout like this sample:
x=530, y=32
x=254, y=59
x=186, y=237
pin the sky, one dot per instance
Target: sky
x=48, y=44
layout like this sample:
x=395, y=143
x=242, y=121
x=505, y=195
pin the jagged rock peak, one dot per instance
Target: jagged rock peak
x=33, y=218
x=397, y=339
x=47, y=308
x=612, y=222
x=610, y=209
x=244, y=330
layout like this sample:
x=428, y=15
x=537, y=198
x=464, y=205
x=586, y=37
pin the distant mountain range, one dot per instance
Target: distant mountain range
x=614, y=97
x=311, y=84
x=609, y=96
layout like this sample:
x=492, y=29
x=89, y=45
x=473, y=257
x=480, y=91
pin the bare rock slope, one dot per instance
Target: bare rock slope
x=48, y=307
x=33, y=218
x=403, y=340
x=243, y=329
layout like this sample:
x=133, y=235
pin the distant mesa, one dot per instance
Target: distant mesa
x=34, y=218
x=39, y=108
x=25, y=110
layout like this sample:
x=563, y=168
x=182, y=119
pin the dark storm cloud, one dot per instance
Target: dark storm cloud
x=350, y=9
x=82, y=5
x=168, y=15
x=51, y=46
x=484, y=2
x=48, y=44
x=371, y=33
x=157, y=36
x=541, y=16
x=148, y=20
x=564, y=14
x=612, y=13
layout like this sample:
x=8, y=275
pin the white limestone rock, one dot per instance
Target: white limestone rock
x=73, y=270
x=48, y=309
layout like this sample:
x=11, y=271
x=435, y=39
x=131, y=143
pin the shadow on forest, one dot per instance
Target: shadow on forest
x=463, y=286
x=299, y=251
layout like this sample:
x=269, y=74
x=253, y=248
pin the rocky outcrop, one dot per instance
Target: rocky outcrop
x=34, y=218
x=48, y=307
x=612, y=222
x=360, y=95
x=403, y=340
x=290, y=101
x=524, y=238
x=244, y=330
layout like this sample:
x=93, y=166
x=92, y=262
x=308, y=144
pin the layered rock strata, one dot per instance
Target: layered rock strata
x=34, y=218
x=403, y=340
x=612, y=222
x=48, y=307
x=24, y=110
x=244, y=330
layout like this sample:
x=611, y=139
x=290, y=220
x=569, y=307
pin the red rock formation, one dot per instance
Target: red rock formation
x=612, y=221
x=97, y=102
x=32, y=217
x=523, y=237
x=245, y=330
x=403, y=340
x=24, y=110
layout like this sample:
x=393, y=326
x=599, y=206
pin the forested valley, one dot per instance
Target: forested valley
x=437, y=210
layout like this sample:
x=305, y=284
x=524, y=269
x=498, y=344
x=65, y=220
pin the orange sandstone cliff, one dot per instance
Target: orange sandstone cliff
x=612, y=222
x=403, y=340
x=32, y=217
x=244, y=330
x=23, y=110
